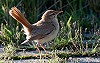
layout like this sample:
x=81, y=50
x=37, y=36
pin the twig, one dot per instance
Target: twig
x=49, y=7
x=19, y=3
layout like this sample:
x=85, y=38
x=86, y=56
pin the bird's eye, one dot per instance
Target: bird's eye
x=52, y=14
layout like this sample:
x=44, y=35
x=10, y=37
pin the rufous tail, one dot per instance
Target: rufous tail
x=17, y=15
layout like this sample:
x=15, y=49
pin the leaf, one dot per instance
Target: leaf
x=8, y=31
x=3, y=8
x=68, y=23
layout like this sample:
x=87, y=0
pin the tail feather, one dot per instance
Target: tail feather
x=17, y=15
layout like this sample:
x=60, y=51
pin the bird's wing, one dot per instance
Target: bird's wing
x=42, y=30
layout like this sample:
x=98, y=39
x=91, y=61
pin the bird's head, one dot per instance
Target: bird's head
x=50, y=14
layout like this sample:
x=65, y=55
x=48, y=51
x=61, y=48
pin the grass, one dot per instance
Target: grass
x=79, y=18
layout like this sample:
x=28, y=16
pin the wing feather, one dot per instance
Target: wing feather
x=42, y=30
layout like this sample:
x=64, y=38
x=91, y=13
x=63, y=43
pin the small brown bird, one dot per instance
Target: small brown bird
x=44, y=30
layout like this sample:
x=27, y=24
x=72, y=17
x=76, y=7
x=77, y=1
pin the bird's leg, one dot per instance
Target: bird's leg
x=43, y=48
x=38, y=48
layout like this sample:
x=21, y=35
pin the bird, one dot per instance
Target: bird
x=44, y=30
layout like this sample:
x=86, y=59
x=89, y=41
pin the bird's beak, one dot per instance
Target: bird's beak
x=57, y=12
